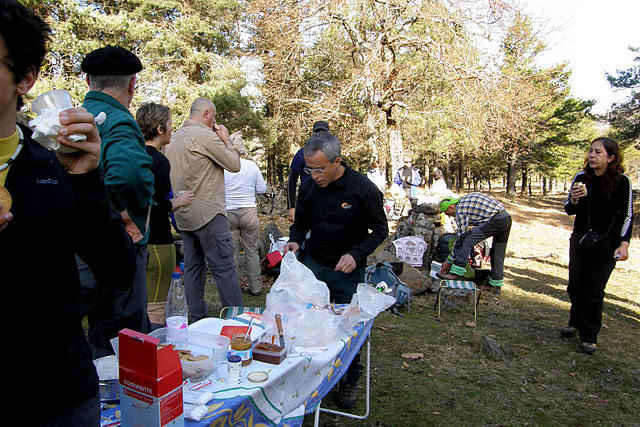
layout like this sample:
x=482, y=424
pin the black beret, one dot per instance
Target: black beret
x=111, y=61
x=320, y=125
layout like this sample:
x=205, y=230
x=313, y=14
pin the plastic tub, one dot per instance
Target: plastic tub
x=201, y=355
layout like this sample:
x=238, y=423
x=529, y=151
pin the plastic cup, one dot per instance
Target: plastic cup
x=114, y=344
x=56, y=99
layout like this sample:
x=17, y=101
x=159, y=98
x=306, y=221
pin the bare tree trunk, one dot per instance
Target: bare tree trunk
x=510, y=181
x=460, y=183
x=523, y=186
x=544, y=185
x=395, y=146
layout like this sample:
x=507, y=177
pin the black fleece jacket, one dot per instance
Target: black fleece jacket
x=55, y=216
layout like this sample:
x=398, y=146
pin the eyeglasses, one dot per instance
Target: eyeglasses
x=311, y=171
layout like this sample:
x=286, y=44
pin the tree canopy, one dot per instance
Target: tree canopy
x=392, y=77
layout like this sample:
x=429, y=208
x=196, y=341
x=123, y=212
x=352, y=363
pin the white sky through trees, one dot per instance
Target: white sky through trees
x=593, y=36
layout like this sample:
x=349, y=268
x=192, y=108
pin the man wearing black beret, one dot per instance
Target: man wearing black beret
x=111, y=76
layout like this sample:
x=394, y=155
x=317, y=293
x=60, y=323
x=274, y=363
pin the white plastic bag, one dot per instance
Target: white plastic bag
x=278, y=245
x=317, y=328
x=371, y=302
x=410, y=249
x=298, y=284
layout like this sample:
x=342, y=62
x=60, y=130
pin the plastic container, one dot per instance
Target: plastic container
x=177, y=311
x=235, y=368
x=201, y=344
x=269, y=353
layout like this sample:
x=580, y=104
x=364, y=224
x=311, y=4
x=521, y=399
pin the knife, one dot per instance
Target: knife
x=280, y=331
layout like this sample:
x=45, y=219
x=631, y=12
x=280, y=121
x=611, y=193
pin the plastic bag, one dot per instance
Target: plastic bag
x=317, y=328
x=298, y=284
x=371, y=302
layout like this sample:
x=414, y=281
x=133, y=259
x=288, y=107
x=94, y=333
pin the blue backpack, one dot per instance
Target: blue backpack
x=383, y=272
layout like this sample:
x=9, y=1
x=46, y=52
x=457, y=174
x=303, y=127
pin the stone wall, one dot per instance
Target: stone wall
x=424, y=221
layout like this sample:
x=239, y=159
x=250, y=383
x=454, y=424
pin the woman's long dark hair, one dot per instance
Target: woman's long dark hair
x=614, y=169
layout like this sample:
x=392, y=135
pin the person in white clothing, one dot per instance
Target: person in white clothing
x=439, y=185
x=375, y=175
x=240, y=199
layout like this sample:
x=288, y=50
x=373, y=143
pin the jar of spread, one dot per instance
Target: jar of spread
x=241, y=346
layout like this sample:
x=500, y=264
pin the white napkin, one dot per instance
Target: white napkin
x=47, y=125
x=195, y=412
x=196, y=397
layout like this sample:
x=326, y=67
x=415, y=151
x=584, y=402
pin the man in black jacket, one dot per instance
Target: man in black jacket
x=338, y=206
x=58, y=208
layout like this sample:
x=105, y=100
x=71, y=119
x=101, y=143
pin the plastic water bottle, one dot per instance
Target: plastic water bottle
x=177, y=311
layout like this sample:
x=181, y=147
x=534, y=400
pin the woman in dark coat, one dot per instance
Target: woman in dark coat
x=156, y=125
x=601, y=200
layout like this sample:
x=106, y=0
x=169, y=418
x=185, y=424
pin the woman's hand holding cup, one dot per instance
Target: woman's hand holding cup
x=578, y=190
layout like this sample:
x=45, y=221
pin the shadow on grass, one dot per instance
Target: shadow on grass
x=538, y=283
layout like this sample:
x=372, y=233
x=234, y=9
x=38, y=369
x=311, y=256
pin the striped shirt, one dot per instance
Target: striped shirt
x=475, y=209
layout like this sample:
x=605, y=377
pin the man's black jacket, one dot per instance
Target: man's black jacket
x=339, y=217
x=55, y=216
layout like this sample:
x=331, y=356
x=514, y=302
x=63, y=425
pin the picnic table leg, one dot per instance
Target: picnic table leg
x=439, y=298
x=475, y=306
x=367, y=396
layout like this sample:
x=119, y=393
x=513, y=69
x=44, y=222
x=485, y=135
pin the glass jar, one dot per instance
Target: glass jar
x=241, y=346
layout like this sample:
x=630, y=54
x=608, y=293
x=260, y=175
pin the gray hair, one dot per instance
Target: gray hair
x=325, y=142
x=109, y=82
x=200, y=105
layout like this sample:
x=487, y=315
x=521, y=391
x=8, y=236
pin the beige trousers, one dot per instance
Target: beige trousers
x=245, y=229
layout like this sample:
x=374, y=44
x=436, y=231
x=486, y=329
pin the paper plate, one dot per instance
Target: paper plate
x=258, y=376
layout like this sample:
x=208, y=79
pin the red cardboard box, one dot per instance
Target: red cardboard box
x=150, y=382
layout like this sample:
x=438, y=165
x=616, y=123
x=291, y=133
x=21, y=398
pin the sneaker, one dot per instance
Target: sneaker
x=568, y=332
x=346, y=398
x=587, y=348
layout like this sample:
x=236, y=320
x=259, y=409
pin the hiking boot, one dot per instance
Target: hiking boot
x=496, y=290
x=568, y=332
x=587, y=348
x=346, y=398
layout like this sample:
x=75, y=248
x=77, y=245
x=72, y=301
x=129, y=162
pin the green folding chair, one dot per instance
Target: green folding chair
x=234, y=311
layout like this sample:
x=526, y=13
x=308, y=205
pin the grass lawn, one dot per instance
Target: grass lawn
x=542, y=380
